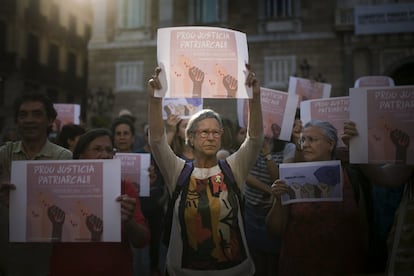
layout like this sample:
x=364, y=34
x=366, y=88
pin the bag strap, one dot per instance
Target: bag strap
x=225, y=167
x=228, y=175
x=185, y=173
x=168, y=217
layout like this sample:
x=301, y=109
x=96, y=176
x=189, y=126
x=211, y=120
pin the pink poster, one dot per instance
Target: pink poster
x=272, y=115
x=134, y=168
x=385, y=121
x=66, y=114
x=54, y=207
x=334, y=110
x=391, y=123
x=65, y=201
x=278, y=109
x=202, y=62
x=308, y=89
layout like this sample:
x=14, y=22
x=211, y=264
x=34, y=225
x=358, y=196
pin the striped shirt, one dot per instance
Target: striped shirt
x=256, y=197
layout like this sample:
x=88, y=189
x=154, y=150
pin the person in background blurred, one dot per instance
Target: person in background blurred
x=392, y=223
x=123, y=131
x=241, y=133
x=153, y=208
x=227, y=139
x=176, y=136
x=258, y=200
x=69, y=135
x=138, y=138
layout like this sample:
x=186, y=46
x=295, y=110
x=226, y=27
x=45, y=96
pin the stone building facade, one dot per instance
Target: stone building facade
x=330, y=41
x=43, y=47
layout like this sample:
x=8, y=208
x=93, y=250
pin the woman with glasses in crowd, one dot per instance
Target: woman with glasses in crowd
x=95, y=257
x=320, y=237
x=207, y=233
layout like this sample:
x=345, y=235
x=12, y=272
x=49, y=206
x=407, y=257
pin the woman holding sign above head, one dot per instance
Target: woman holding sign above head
x=320, y=238
x=392, y=187
x=207, y=235
x=95, y=257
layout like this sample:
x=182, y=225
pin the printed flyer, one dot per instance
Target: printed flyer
x=66, y=114
x=202, y=62
x=278, y=109
x=65, y=201
x=334, y=110
x=312, y=181
x=308, y=89
x=183, y=107
x=134, y=168
x=385, y=122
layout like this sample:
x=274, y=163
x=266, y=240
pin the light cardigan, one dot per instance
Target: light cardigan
x=171, y=166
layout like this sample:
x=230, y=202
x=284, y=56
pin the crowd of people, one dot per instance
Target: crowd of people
x=227, y=215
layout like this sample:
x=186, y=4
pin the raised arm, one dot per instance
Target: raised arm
x=255, y=121
x=243, y=159
x=169, y=164
x=156, y=123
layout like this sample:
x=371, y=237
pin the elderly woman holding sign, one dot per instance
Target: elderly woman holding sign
x=320, y=238
x=207, y=233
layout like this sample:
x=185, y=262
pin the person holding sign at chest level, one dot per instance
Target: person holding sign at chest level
x=207, y=235
x=34, y=114
x=320, y=238
x=99, y=258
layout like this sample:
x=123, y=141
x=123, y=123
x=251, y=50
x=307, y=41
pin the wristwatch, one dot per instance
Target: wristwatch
x=268, y=157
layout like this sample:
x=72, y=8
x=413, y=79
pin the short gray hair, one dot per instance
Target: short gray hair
x=199, y=116
x=328, y=130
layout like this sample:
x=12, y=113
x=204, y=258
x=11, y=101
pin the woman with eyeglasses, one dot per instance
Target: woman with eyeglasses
x=101, y=258
x=207, y=234
x=320, y=238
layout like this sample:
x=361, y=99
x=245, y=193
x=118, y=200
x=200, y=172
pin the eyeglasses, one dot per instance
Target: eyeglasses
x=309, y=139
x=206, y=133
